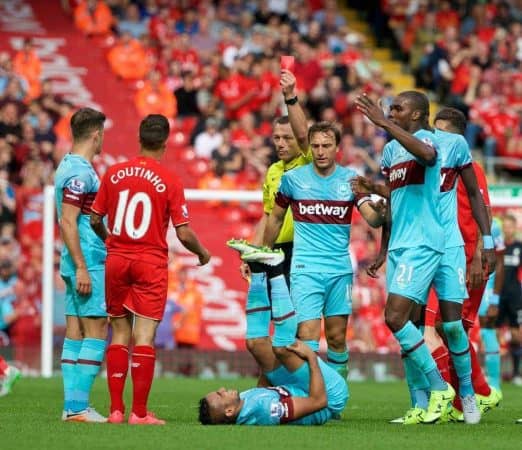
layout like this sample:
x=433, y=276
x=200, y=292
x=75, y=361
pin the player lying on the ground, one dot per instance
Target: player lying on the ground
x=300, y=388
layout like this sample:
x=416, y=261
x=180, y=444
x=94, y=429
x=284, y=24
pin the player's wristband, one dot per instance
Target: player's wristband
x=291, y=101
x=493, y=299
x=488, y=243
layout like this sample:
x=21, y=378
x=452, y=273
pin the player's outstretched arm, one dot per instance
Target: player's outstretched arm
x=480, y=214
x=317, y=398
x=273, y=225
x=296, y=115
x=426, y=153
x=191, y=242
x=71, y=239
x=98, y=226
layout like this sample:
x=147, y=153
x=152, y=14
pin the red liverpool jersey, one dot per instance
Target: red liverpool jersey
x=140, y=197
x=468, y=226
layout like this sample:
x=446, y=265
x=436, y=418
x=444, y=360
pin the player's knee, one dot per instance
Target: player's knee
x=257, y=345
x=337, y=341
x=453, y=330
x=394, y=320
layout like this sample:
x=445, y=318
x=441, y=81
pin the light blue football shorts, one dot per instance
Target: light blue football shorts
x=410, y=272
x=321, y=294
x=450, y=278
x=92, y=305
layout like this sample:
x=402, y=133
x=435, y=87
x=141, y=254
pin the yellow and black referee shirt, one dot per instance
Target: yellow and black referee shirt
x=270, y=188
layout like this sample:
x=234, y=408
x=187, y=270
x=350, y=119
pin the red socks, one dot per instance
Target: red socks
x=3, y=367
x=142, y=371
x=117, y=368
x=480, y=385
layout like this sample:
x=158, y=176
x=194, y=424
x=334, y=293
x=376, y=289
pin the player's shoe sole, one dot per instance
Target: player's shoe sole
x=240, y=245
x=413, y=416
x=264, y=256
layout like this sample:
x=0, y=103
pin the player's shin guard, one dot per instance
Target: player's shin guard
x=257, y=307
x=87, y=367
x=71, y=349
x=459, y=347
x=412, y=345
x=283, y=313
x=338, y=361
x=516, y=353
x=491, y=356
x=142, y=371
x=418, y=384
x=117, y=368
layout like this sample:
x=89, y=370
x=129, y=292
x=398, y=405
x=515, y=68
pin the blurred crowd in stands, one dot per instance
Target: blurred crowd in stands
x=213, y=68
x=468, y=54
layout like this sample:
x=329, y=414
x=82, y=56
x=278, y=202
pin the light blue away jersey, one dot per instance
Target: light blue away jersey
x=265, y=406
x=322, y=210
x=415, y=196
x=455, y=156
x=76, y=183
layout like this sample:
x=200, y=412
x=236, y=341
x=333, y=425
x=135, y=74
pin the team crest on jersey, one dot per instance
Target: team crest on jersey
x=343, y=188
x=278, y=410
x=77, y=186
x=184, y=211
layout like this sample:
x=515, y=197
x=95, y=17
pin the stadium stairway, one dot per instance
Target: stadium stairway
x=391, y=68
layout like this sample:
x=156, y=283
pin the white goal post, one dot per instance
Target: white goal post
x=498, y=200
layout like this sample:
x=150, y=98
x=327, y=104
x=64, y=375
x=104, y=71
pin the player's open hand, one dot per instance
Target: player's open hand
x=475, y=273
x=287, y=82
x=361, y=185
x=489, y=260
x=83, y=281
x=204, y=258
x=373, y=268
x=367, y=106
x=301, y=349
x=244, y=269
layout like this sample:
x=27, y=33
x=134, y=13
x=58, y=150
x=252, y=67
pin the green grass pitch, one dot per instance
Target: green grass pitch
x=30, y=419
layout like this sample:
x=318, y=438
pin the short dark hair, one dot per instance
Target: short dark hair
x=419, y=101
x=204, y=412
x=85, y=121
x=154, y=131
x=325, y=127
x=455, y=117
x=283, y=120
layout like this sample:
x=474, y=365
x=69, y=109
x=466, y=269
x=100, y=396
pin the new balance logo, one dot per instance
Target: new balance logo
x=135, y=364
x=398, y=174
x=117, y=375
x=320, y=209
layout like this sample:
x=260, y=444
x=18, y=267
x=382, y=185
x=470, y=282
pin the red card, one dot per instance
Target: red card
x=288, y=62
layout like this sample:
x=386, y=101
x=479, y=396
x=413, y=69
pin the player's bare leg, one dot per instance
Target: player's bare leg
x=309, y=332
